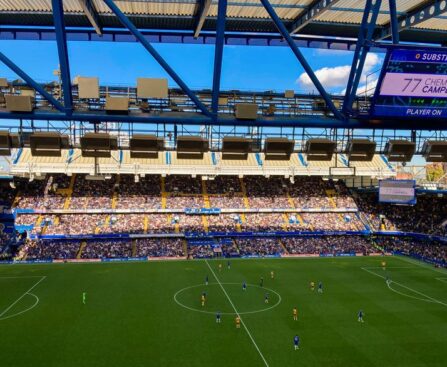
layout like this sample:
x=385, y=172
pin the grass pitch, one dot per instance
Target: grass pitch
x=149, y=314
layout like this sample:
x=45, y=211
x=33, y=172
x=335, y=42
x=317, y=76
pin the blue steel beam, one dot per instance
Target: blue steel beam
x=146, y=44
x=317, y=7
x=393, y=22
x=427, y=10
x=282, y=29
x=202, y=12
x=92, y=15
x=363, y=45
x=218, y=54
x=362, y=122
x=355, y=59
x=59, y=25
x=31, y=82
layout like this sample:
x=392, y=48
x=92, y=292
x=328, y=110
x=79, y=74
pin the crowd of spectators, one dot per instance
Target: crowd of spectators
x=225, y=192
x=268, y=193
x=332, y=221
x=259, y=246
x=57, y=250
x=107, y=249
x=430, y=251
x=435, y=252
x=263, y=222
x=160, y=223
x=328, y=245
x=159, y=247
x=72, y=224
x=92, y=194
x=200, y=251
x=427, y=216
x=144, y=194
x=123, y=223
x=229, y=249
x=223, y=222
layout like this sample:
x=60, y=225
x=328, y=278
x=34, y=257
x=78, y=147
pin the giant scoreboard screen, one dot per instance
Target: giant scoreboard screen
x=397, y=192
x=413, y=83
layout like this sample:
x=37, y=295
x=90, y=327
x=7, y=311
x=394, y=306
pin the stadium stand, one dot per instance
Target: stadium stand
x=59, y=205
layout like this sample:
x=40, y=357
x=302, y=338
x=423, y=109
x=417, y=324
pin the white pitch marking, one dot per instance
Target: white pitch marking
x=23, y=295
x=237, y=313
x=444, y=280
x=227, y=313
x=434, y=300
x=388, y=267
x=24, y=276
x=28, y=309
x=422, y=265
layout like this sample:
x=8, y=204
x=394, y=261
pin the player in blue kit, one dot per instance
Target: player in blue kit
x=360, y=316
x=266, y=298
x=261, y=282
x=296, y=342
x=218, y=317
x=244, y=286
x=320, y=287
x=228, y=265
x=206, y=280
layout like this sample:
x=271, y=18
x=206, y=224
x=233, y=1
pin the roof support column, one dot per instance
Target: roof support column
x=59, y=25
x=282, y=29
x=31, y=82
x=393, y=21
x=218, y=54
x=146, y=44
x=367, y=27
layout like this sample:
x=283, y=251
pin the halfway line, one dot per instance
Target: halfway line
x=237, y=313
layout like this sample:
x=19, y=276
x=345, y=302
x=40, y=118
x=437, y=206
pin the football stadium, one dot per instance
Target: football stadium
x=223, y=183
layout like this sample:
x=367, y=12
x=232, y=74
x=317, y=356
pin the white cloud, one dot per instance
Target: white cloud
x=337, y=77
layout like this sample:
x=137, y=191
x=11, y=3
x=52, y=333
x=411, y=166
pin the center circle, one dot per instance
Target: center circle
x=207, y=288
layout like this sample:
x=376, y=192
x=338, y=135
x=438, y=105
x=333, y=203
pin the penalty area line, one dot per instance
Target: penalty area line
x=434, y=300
x=23, y=295
x=237, y=313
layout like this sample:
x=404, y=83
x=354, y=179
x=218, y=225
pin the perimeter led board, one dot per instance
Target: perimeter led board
x=397, y=192
x=413, y=83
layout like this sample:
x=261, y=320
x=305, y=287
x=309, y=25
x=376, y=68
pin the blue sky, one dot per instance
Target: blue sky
x=244, y=68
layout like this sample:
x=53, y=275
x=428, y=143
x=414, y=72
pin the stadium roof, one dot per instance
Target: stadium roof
x=418, y=20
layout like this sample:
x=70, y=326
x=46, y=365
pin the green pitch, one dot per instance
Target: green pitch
x=150, y=314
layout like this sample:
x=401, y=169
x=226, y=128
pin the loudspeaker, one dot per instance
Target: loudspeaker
x=98, y=145
x=191, y=147
x=88, y=88
x=247, y=111
x=145, y=146
x=289, y=93
x=278, y=149
x=435, y=151
x=320, y=149
x=117, y=104
x=5, y=143
x=47, y=144
x=235, y=148
x=361, y=150
x=19, y=103
x=152, y=88
x=400, y=150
